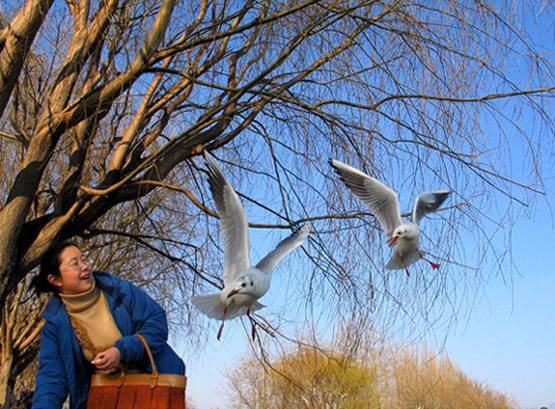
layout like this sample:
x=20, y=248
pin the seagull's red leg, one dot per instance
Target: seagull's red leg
x=252, y=323
x=220, y=331
x=406, y=268
x=222, y=326
x=434, y=265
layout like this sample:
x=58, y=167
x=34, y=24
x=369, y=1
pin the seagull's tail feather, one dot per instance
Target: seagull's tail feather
x=396, y=263
x=238, y=310
x=210, y=305
x=257, y=306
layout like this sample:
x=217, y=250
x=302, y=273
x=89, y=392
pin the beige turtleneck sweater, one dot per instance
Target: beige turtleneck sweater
x=92, y=321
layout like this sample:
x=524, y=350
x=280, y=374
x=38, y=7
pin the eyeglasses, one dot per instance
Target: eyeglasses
x=77, y=265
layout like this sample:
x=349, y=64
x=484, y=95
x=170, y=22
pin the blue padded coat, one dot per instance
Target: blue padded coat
x=62, y=366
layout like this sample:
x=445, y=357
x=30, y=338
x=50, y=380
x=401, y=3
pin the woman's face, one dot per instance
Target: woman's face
x=75, y=272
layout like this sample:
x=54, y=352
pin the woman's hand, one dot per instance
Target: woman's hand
x=107, y=360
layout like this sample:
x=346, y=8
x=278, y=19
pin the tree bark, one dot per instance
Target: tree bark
x=15, y=42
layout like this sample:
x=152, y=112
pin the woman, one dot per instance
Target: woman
x=89, y=327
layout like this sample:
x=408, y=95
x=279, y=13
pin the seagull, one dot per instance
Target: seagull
x=243, y=283
x=384, y=204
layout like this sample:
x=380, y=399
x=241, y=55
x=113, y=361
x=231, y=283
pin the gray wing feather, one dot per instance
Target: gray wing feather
x=286, y=246
x=428, y=202
x=382, y=201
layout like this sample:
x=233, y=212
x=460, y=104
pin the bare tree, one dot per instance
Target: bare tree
x=106, y=104
x=19, y=328
x=423, y=379
x=374, y=374
x=303, y=377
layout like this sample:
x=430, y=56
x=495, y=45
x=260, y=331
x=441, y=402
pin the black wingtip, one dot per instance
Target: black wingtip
x=440, y=197
x=334, y=167
x=444, y=195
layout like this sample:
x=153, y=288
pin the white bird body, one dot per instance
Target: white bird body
x=406, y=247
x=244, y=284
x=384, y=204
x=214, y=305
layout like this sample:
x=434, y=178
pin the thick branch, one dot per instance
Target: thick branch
x=16, y=40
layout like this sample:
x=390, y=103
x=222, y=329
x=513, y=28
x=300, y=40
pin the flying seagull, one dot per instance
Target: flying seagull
x=243, y=283
x=384, y=204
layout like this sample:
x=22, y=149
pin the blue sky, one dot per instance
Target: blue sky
x=507, y=341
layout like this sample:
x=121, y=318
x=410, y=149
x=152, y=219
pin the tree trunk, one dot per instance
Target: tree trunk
x=6, y=393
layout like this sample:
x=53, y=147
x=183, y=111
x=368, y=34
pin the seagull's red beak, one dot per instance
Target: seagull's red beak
x=391, y=241
x=232, y=292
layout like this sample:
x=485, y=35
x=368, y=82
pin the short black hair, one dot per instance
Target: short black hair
x=50, y=265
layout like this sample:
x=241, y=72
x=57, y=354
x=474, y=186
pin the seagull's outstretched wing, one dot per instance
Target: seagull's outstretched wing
x=233, y=220
x=382, y=201
x=428, y=202
x=286, y=246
